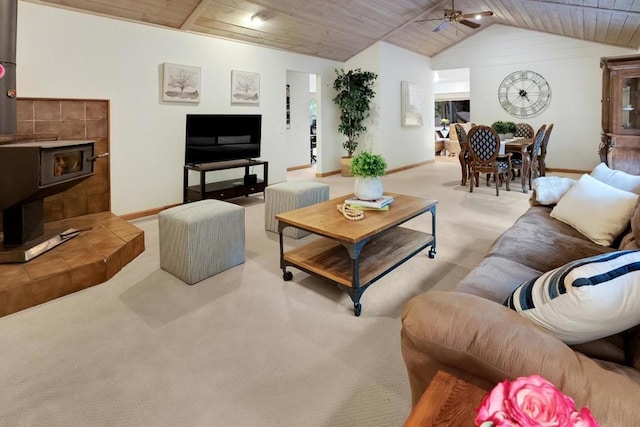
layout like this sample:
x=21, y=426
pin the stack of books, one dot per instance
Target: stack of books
x=381, y=204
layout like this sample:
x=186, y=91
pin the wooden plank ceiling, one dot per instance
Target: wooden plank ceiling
x=339, y=29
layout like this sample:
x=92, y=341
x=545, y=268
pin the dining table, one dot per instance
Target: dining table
x=514, y=145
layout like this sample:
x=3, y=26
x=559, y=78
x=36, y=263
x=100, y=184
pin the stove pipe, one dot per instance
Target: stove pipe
x=8, y=33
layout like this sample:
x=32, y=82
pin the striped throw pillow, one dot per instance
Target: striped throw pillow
x=585, y=299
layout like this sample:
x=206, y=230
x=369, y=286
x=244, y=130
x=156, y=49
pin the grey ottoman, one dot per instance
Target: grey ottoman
x=200, y=239
x=290, y=195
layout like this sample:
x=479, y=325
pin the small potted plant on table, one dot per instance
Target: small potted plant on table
x=367, y=168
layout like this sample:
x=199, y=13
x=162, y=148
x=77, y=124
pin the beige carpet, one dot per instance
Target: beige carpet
x=243, y=348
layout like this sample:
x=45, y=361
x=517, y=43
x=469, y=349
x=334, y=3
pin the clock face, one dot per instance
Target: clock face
x=524, y=94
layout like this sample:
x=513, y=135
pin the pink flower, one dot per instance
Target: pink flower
x=531, y=402
x=583, y=418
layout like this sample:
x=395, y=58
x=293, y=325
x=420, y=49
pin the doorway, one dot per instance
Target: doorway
x=302, y=120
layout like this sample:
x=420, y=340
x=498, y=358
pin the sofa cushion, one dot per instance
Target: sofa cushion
x=599, y=211
x=495, y=278
x=586, y=299
x=615, y=178
x=542, y=243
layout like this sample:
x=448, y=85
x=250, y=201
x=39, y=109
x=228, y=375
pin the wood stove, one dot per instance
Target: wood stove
x=29, y=172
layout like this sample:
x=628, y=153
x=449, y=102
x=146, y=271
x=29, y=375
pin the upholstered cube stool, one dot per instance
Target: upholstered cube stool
x=200, y=239
x=290, y=195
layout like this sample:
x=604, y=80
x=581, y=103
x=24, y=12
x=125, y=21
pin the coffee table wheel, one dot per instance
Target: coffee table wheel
x=357, y=308
x=287, y=275
x=432, y=253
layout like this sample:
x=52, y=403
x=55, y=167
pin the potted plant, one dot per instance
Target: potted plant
x=368, y=168
x=510, y=129
x=501, y=128
x=444, y=123
x=354, y=95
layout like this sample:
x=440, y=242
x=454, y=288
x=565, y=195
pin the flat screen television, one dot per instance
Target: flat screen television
x=219, y=137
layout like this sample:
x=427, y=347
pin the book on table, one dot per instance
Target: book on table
x=368, y=208
x=376, y=204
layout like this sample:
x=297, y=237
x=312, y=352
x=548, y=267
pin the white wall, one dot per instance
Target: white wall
x=399, y=145
x=62, y=53
x=454, y=82
x=570, y=66
x=65, y=54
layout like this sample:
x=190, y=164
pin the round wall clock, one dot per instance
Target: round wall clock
x=524, y=94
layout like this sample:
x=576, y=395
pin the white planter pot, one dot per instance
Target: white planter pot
x=369, y=188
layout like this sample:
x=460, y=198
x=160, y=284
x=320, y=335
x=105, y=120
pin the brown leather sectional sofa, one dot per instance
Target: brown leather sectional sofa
x=470, y=334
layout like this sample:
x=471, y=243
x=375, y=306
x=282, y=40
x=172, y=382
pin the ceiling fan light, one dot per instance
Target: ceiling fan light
x=478, y=17
x=256, y=20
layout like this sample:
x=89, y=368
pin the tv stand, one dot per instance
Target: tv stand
x=223, y=189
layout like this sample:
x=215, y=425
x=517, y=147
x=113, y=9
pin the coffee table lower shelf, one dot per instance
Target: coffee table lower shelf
x=354, y=273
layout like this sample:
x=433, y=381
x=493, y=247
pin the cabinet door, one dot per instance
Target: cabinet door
x=625, y=102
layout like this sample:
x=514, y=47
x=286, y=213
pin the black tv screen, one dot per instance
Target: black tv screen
x=220, y=137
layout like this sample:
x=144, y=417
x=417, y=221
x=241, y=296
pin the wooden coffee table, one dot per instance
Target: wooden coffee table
x=354, y=254
x=448, y=401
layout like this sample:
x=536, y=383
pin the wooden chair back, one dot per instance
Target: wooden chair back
x=543, y=150
x=484, y=148
x=523, y=130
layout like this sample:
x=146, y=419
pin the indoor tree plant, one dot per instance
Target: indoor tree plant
x=354, y=95
x=368, y=168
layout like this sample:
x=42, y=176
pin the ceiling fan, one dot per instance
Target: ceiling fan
x=452, y=16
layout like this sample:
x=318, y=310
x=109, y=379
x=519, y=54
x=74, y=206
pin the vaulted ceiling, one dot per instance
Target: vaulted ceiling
x=339, y=29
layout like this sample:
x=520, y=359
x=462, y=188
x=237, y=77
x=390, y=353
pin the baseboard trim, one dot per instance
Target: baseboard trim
x=400, y=169
x=295, y=168
x=322, y=175
x=411, y=166
x=563, y=170
x=141, y=214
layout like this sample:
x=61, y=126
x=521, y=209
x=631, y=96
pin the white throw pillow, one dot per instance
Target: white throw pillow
x=585, y=299
x=619, y=179
x=597, y=210
x=550, y=189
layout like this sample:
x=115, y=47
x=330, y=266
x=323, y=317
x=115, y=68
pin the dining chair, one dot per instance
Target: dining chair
x=542, y=165
x=464, y=152
x=484, y=148
x=523, y=130
x=517, y=161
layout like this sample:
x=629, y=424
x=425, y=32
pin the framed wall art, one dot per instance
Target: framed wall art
x=180, y=83
x=412, y=104
x=245, y=87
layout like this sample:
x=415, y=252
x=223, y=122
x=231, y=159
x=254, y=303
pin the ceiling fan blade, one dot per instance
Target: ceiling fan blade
x=427, y=20
x=473, y=15
x=441, y=26
x=469, y=23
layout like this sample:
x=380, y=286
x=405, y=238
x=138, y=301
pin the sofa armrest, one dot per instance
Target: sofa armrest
x=484, y=343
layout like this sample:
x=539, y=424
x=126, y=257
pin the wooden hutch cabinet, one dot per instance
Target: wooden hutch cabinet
x=620, y=112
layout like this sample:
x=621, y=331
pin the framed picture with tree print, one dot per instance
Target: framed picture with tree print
x=180, y=83
x=245, y=87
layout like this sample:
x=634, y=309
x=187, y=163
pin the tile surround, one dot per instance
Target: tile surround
x=72, y=119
